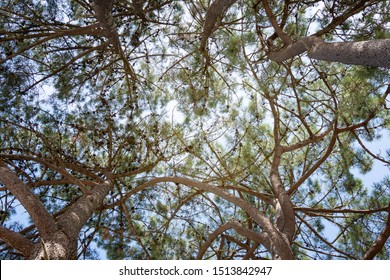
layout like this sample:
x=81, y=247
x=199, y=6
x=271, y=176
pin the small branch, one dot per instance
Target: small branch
x=248, y=233
x=323, y=239
x=133, y=230
x=355, y=211
x=286, y=39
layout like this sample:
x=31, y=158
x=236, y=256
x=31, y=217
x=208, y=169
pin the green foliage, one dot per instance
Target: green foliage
x=74, y=113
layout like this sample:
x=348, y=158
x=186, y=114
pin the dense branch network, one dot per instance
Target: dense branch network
x=91, y=149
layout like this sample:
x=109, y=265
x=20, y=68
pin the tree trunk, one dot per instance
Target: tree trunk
x=370, y=53
x=58, y=239
x=59, y=246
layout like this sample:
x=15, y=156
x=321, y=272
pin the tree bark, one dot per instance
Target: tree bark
x=377, y=246
x=39, y=214
x=370, y=53
x=58, y=239
x=63, y=243
x=103, y=13
x=213, y=19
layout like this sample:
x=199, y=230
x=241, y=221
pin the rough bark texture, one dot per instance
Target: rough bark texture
x=58, y=239
x=63, y=243
x=17, y=240
x=370, y=53
x=103, y=13
x=41, y=217
x=377, y=246
x=213, y=19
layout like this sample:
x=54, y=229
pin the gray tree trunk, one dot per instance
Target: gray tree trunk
x=370, y=53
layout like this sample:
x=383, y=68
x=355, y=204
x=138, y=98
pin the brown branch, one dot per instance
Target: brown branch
x=280, y=248
x=213, y=19
x=374, y=53
x=309, y=172
x=355, y=211
x=74, y=218
x=380, y=241
x=340, y=19
x=39, y=214
x=133, y=230
x=103, y=13
x=370, y=53
x=296, y=48
x=90, y=29
x=285, y=220
x=17, y=241
x=248, y=233
x=323, y=239
x=53, y=167
x=286, y=39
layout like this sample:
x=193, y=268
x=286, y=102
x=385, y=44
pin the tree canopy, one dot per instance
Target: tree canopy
x=193, y=129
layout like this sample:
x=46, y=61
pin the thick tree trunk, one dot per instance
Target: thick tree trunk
x=58, y=239
x=59, y=246
x=370, y=53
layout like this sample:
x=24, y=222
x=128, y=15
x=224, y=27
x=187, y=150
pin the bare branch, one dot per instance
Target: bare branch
x=248, y=233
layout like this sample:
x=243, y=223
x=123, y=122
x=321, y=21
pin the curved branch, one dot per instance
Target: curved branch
x=279, y=246
x=286, y=39
x=250, y=234
x=380, y=241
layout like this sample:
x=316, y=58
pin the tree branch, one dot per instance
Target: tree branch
x=280, y=247
x=213, y=19
x=286, y=39
x=380, y=241
x=77, y=214
x=17, y=241
x=248, y=233
x=39, y=214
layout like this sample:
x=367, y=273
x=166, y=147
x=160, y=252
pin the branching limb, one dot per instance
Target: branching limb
x=39, y=214
x=213, y=19
x=286, y=39
x=239, y=228
x=17, y=241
